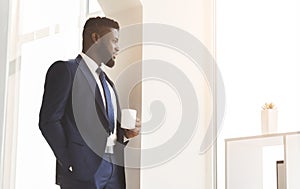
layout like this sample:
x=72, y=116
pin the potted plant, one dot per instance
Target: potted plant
x=269, y=117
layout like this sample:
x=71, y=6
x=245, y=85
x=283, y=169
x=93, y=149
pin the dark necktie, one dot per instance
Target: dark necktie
x=108, y=101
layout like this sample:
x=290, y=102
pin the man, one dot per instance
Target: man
x=80, y=113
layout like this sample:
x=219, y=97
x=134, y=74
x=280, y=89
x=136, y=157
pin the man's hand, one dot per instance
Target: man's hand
x=130, y=133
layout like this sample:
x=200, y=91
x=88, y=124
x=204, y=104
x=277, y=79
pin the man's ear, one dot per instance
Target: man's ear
x=95, y=37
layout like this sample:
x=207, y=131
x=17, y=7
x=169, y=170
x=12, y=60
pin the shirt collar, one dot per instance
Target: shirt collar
x=92, y=65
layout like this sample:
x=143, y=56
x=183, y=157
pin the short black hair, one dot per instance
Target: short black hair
x=98, y=25
x=96, y=22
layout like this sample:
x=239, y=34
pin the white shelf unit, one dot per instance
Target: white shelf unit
x=250, y=162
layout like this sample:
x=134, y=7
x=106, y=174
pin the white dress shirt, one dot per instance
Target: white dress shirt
x=93, y=66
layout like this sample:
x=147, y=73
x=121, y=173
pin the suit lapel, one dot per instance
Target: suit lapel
x=92, y=83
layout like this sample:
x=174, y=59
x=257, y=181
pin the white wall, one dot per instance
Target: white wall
x=187, y=169
x=4, y=25
x=258, y=55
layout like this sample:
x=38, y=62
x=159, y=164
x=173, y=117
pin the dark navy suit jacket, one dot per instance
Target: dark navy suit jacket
x=74, y=122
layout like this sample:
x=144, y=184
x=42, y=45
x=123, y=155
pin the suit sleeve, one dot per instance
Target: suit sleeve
x=57, y=90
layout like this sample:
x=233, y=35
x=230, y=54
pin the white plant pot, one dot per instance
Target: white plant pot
x=269, y=119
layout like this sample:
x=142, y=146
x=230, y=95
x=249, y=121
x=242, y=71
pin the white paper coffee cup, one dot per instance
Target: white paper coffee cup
x=128, y=118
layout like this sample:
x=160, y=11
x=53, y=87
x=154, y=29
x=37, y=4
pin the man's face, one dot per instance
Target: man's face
x=109, y=47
